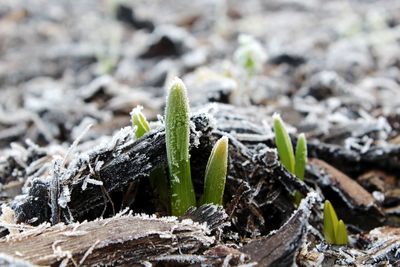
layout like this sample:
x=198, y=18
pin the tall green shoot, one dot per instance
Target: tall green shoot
x=177, y=137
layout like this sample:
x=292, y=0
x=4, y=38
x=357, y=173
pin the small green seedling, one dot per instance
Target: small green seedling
x=283, y=144
x=295, y=165
x=334, y=230
x=177, y=130
x=215, y=177
x=157, y=178
x=250, y=55
x=139, y=122
x=301, y=156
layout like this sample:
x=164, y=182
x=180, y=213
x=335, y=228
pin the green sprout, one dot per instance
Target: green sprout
x=215, y=177
x=177, y=137
x=250, y=55
x=334, y=230
x=301, y=156
x=157, y=178
x=139, y=122
x=295, y=165
x=283, y=144
x=300, y=163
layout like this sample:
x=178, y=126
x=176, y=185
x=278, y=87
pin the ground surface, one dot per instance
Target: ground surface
x=332, y=70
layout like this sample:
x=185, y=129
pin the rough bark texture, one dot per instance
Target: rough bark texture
x=114, y=241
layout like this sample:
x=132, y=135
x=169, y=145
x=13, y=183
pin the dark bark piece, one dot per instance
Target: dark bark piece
x=384, y=185
x=355, y=193
x=354, y=163
x=115, y=241
x=357, y=205
x=280, y=247
x=125, y=14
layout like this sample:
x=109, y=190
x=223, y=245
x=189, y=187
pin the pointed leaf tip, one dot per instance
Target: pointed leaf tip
x=301, y=156
x=139, y=121
x=330, y=222
x=216, y=170
x=177, y=138
x=283, y=144
x=341, y=234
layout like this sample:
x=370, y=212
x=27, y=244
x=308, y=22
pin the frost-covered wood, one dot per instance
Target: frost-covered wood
x=280, y=247
x=119, y=240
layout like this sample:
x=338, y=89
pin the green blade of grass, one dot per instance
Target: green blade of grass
x=283, y=143
x=139, y=122
x=330, y=223
x=300, y=163
x=177, y=137
x=301, y=156
x=215, y=176
x=341, y=234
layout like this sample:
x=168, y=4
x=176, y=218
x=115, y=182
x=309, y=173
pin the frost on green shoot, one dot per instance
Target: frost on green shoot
x=250, y=54
x=215, y=176
x=334, y=230
x=139, y=122
x=177, y=137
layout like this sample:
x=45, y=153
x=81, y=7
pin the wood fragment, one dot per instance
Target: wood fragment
x=115, y=241
x=280, y=247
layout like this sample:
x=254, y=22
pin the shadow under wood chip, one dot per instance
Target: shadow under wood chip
x=280, y=247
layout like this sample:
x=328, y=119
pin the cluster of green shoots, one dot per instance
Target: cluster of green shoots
x=177, y=138
x=181, y=192
x=334, y=229
x=294, y=163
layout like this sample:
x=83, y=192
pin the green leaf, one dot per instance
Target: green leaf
x=139, y=122
x=215, y=176
x=283, y=143
x=177, y=137
x=330, y=223
x=301, y=156
x=341, y=234
x=300, y=163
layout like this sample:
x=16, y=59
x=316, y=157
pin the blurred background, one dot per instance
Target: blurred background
x=331, y=68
